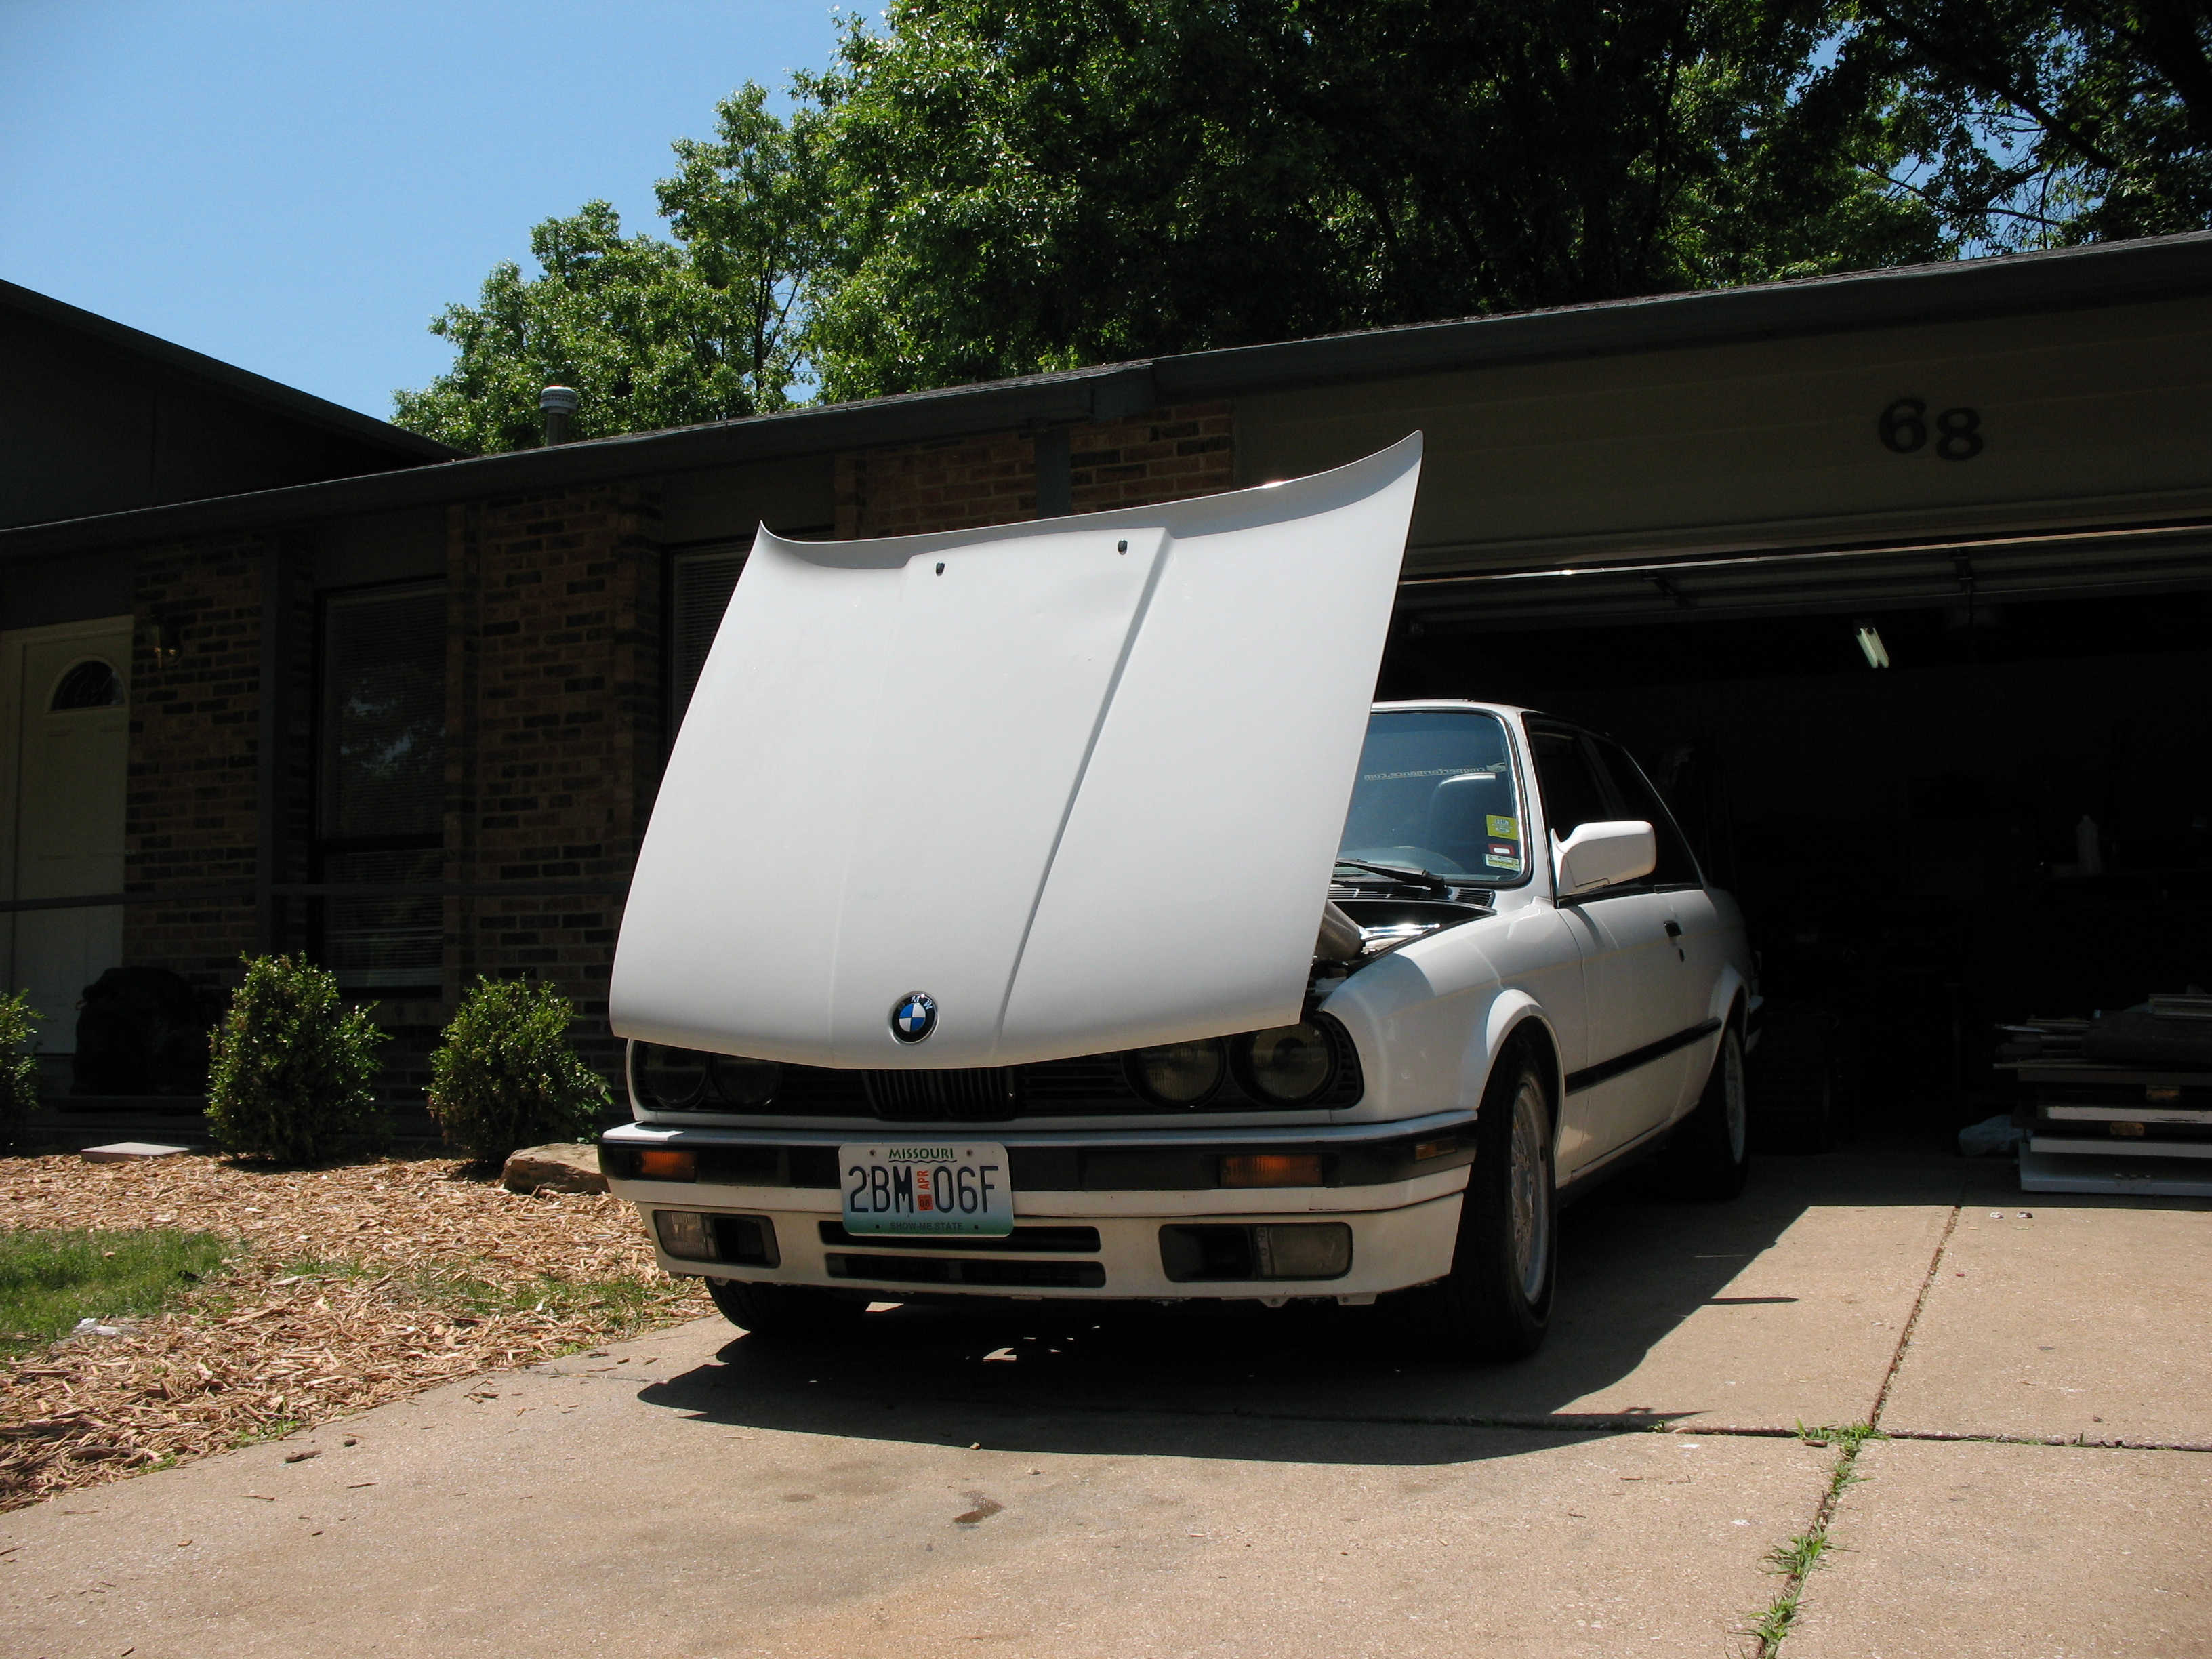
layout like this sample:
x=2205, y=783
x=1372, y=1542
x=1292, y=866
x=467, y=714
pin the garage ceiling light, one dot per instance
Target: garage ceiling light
x=1870, y=645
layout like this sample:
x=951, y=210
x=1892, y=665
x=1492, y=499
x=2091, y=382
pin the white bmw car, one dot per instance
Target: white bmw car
x=1043, y=911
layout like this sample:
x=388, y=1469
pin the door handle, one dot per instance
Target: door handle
x=1674, y=930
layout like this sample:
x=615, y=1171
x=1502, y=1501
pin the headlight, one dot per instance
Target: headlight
x=673, y=1080
x=686, y=1080
x=744, y=1086
x=1178, y=1073
x=1287, y=1065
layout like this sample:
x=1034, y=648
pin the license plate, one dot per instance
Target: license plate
x=958, y=1187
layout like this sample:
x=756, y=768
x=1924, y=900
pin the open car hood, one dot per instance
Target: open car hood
x=1082, y=798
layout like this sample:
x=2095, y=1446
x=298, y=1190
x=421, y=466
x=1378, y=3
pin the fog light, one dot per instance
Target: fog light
x=1271, y=1169
x=1289, y=1250
x=685, y=1234
x=658, y=1164
x=1303, y=1250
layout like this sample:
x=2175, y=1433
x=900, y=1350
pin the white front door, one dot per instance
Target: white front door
x=70, y=688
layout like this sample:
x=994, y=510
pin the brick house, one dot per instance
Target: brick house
x=412, y=722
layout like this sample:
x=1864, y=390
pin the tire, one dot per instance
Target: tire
x=786, y=1309
x=1709, y=1154
x=1797, y=1098
x=1497, y=1302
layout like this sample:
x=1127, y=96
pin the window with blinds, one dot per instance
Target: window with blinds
x=701, y=585
x=381, y=806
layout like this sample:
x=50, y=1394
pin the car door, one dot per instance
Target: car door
x=1622, y=1086
x=1699, y=948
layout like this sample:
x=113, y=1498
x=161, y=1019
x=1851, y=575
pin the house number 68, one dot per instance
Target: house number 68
x=1903, y=429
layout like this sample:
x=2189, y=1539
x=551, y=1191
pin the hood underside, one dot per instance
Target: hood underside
x=965, y=765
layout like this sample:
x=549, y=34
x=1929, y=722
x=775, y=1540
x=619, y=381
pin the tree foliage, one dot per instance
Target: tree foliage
x=2028, y=123
x=650, y=333
x=1026, y=184
x=978, y=188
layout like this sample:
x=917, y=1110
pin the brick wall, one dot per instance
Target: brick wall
x=555, y=731
x=958, y=483
x=191, y=812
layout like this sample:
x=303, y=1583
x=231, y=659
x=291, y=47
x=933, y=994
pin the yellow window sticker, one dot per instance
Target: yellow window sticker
x=1506, y=829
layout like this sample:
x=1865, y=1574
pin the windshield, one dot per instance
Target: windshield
x=1436, y=792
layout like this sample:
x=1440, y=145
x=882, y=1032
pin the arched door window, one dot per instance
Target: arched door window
x=92, y=683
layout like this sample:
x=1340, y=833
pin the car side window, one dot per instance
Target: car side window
x=1572, y=794
x=1638, y=800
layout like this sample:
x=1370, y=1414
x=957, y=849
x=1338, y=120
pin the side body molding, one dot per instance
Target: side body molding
x=971, y=764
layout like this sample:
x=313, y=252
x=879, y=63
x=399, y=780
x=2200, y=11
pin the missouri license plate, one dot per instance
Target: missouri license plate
x=958, y=1187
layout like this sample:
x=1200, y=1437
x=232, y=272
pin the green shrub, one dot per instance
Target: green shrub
x=505, y=1076
x=19, y=1062
x=290, y=1071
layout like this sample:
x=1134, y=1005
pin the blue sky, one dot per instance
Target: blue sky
x=299, y=187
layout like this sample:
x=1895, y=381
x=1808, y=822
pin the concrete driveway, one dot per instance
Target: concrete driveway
x=1134, y=1482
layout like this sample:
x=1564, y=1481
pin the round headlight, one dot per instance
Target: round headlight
x=674, y=1079
x=1287, y=1065
x=1178, y=1073
x=745, y=1084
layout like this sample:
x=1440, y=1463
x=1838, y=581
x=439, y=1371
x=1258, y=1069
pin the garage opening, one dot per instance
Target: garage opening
x=1941, y=811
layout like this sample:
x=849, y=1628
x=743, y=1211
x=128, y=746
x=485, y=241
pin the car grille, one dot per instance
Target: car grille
x=979, y=1095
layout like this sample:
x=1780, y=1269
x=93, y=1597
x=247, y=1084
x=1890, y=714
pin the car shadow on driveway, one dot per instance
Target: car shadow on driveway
x=1707, y=1283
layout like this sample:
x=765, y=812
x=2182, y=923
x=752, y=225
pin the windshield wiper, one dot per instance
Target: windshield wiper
x=1414, y=878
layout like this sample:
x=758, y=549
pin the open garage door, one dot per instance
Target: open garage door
x=1953, y=785
x=2134, y=559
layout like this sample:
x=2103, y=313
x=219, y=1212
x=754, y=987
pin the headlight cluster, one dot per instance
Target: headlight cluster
x=1288, y=1066
x=685, y=1080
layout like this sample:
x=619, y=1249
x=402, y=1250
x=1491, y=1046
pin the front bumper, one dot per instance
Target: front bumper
x=1396, y=1187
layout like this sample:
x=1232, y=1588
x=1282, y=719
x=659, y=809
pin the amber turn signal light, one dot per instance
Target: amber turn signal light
x=658, y=1164
x=1271, y=1169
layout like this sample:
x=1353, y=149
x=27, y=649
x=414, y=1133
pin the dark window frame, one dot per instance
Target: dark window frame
x=325, y=847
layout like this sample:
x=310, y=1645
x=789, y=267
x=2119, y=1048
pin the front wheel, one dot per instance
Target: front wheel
x=1709, y=1155
x=1497, y=1302
x=784, y=1309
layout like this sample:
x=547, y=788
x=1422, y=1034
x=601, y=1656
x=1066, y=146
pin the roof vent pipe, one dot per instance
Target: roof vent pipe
x=558, y=405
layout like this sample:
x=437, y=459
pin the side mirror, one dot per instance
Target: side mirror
x=1600, y=855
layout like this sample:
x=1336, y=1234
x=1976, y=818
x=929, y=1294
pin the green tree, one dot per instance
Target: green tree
x=2027, y=123
x=1026, y=185
x=979, y=188
x=650, y=333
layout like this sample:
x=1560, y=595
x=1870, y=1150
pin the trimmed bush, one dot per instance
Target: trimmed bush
x=291, y=1071
x=19, y=1062
x=504, y=1076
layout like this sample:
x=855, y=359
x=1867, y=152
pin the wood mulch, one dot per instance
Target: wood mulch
x=349, y=1287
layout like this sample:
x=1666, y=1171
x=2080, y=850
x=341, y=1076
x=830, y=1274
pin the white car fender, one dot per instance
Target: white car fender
x=1431, y=1019
x=1508, y=1013
x=1727, y=990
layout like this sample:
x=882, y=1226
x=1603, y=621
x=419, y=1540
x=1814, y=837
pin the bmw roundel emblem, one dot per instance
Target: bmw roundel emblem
x=914, y=1017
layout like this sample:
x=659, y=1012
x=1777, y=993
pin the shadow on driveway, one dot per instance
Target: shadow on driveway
x=1061, y=1375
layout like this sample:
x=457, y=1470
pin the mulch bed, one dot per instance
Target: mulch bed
x=350, y=1287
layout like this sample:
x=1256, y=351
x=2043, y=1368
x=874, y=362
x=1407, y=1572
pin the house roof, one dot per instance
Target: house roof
x=2065, y=279
x=242, y=384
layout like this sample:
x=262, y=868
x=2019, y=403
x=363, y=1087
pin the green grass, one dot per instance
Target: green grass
x=1797, y=1560
x=50, y=1280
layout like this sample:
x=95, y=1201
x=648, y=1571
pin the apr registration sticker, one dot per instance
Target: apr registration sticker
x=927, y=1186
